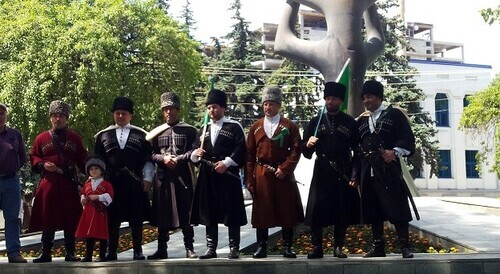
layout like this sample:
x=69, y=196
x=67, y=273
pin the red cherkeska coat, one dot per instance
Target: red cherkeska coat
x=94, y=220
x=57, y=203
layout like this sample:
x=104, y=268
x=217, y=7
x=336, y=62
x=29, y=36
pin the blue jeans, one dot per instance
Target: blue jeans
x=10, y=203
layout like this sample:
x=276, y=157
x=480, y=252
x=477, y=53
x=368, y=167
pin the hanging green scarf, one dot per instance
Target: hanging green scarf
x=281, y=136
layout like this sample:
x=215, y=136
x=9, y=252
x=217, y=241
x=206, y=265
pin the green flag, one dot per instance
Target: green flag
x=343, y=78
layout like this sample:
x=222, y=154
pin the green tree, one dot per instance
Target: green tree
x=234, y=73
x=491, y=15
x=401, y=90
x=188, y=19
x=164, y=5
x=86, y=53
x=482, y=116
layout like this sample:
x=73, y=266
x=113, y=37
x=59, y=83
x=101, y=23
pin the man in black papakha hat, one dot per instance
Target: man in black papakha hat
x=385, y=134
x=129, y=169
x=333, y=197
x=218, y=197
x=173, y=190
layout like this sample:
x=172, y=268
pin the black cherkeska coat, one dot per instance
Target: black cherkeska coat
x=331, y=200
x=218, y=198
x=173, y=188
x=384, y=196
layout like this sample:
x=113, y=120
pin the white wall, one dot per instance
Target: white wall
x=455, y=80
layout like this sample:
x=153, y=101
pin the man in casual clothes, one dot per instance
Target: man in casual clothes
x=173, y=189
x=54, y=155
x=273, y=150
x=127, y=155
x=218, y=197
x=385, y=135
x=12, y=157
x=333, y=198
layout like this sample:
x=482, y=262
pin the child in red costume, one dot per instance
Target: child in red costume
x=96, y=194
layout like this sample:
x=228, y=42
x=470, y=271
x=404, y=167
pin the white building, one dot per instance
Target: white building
x=447, y=81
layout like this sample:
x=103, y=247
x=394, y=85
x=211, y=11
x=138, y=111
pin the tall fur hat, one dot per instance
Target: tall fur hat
x=123, y=103
x=334, y=89
x=95, y=161
x=4, y=106
x=272, y=94
x=170, y=99
x=216, y=96
x=373, y=87
x=59, y=107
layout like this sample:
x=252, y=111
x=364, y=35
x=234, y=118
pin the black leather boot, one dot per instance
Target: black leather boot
x=47, y=243
x=378, y=245
x=404, y=240
x=317, y=242
x=137, y=242
x=103, y=244
x=262, y=237
x=69, y=245
x=338, y=239
x=89, y=250
x=188, y=233
x=114, y=237
x=338, y=252
x=234, y=253
x=161, y=252
x=317, y=253
x=212, y=241
x=378, y=249
x=234, y=242
x=287, y=234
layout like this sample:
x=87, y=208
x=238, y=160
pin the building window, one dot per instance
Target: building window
x=467, y=100
x=470, y=164
x=442, y=110
x=445, y=169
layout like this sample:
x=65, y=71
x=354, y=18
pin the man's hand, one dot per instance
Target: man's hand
x=220, y=167
x=50, y=167
x=199, y=152
x=312, y=141
x=389, y=155
x=93, y=197
x=170, y=161
x=146, y=185
x=354, y=183
x=279, y=174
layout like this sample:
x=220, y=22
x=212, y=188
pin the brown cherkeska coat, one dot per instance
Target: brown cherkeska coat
x=276, y=202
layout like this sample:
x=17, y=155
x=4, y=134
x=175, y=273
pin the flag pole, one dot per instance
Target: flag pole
x=322, y=112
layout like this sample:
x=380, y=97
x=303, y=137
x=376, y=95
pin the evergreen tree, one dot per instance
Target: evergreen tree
x=163, y=5
x=401, y=90
x=188, y=19
x=233, y=71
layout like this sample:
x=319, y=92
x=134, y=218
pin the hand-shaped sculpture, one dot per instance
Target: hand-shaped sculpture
x=344, y=39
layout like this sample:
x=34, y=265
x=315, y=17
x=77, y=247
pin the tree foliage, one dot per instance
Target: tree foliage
x=188, y=19
x=491, y=15
x=86, y=53
x=233, y=71
x=400, y=89
x=482, y=116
